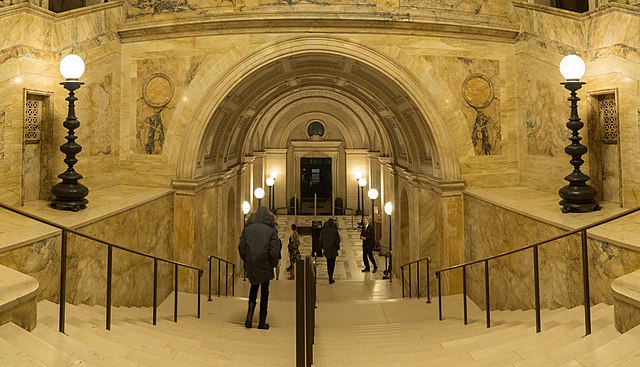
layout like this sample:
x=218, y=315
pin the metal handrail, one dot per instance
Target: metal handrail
x=110, y=247
x=427, y=259
x=226, y=276
x=534, y=247
x=305, y=311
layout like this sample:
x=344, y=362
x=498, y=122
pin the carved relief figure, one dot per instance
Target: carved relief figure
x=477, y=90
x=157, y=92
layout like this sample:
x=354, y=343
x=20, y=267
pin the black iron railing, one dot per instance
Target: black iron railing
x=408, y=265
x=110, y=247
x=226, y=276
x=305, y=311
x=536, y=276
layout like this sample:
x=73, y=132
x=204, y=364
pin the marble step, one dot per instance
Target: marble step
x=612, y=352
x=37, y=348
x=156, y=340
x=93, y=353
x=11, y=356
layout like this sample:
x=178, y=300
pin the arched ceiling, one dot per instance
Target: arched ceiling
x=370, y=110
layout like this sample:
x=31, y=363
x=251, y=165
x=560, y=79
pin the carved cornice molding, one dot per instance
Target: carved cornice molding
x=194, y=186
x=322, y=22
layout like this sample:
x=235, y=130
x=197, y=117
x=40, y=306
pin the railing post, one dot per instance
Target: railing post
x=438, y=276
x=409, y=280
x=402, y=279
x=487, y=294
x=109, y=281
x=209, y=299
x=63, y=281
x=199, y=283
x=428, y=282
x=226, y=278
x=175, y=293
x=464, y=293
x=218, y=277
x=585, y=282
x=536, y=287
x=155, y=290
x=233, y=280
x=300, y=313
x=418, y=277
x=309, y=309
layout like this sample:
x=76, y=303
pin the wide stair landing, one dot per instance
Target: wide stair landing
x=350, y=332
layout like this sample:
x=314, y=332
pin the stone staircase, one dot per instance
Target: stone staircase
x=348, y=333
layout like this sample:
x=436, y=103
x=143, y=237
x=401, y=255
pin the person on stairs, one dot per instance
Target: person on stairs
x=294, y=251
x=330, y=242
x=366, y=235
x=259, y=248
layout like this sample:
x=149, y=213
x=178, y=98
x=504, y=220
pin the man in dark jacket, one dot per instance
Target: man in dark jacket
x=330, y=242
x=366, y=235
x=259, y=249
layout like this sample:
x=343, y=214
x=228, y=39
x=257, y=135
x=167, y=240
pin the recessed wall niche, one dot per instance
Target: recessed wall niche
x=605, y=168
x=37, y=147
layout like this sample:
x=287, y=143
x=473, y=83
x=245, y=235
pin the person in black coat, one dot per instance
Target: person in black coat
x=366, y=235
x=259, y=249
x=330, y=242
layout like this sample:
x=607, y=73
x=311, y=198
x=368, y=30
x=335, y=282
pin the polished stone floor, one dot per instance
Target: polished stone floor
x=351, y=283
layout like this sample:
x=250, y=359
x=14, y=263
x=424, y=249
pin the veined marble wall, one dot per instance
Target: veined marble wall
x=29, y=59
x=613, y=64
x=491, y=229
x=146, y=228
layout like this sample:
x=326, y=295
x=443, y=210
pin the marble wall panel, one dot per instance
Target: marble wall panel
x=146, y=228
x=555, y=27
x=41, y=260
x=490, y=229
x=2, y=128
x=493, y=7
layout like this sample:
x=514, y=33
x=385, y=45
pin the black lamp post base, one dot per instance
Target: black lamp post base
x=578, y=199
x=579, y=207
x=72, y=205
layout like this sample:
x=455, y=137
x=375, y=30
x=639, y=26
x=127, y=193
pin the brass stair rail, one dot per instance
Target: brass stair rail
x=408, y=265
x=110, y=247
x=226, y=276
x=536, y=276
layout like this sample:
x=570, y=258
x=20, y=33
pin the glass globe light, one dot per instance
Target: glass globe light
x=373, y=194
x=259, y=193
x=362, y=182
x=72, y=67
x=358, y=175
x=246, y=207
x=572, y=67
x=388, y=208
x=270, y=181
x=273, y=174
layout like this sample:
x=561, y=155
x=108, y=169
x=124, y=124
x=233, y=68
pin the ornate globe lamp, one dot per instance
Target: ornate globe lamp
x=259, y=194
x=246, y=208
x=577, y=196
x=70, y=194
x=271, y=181
x=373, y=195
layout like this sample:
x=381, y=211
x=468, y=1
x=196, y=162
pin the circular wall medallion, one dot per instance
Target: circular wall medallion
x=315, y=128
x=157, y=90
x=477, y=90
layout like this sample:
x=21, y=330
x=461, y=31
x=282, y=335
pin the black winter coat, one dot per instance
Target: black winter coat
x=330, y=240
x=259, y=246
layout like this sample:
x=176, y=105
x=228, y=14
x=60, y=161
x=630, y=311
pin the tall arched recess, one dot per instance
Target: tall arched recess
x=219, y=85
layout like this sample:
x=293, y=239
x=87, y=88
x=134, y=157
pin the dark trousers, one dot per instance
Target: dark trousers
x=367, y=254
x=331, y=265
x=264, y=295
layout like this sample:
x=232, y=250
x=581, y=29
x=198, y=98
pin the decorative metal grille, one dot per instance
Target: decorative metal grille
x=609, y=118
x=33, y=121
